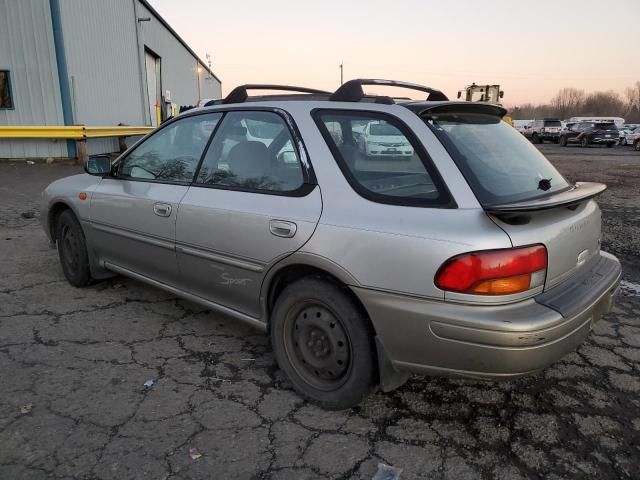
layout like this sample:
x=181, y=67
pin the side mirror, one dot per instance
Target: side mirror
x=98, y=165
x=288, y=156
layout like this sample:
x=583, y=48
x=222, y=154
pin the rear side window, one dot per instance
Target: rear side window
x=252, y=151
x=552, y=123
x=381, y=158
x=607, y=126
x=499, y=164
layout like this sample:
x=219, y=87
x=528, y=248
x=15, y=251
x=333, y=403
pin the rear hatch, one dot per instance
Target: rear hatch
x=605, y=130
x=552, y=127
x=519, y=188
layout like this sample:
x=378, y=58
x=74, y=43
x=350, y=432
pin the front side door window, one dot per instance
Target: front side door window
x=172, y=154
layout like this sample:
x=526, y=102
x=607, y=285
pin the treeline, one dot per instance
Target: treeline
x=571, y=102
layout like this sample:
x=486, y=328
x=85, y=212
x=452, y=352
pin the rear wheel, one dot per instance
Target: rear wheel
x=324, y=343
x=72, y=250
x=636, y=146
x=584, y=142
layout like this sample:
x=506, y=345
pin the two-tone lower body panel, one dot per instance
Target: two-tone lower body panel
x=445, y=338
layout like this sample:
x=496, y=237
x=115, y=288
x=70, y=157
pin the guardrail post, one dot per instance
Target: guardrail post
x=81, y=149
x=122, y=144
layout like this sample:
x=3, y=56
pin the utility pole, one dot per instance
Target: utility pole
x=198, y=70
x=341, y=73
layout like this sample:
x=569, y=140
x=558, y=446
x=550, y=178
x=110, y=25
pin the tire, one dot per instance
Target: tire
x=72, y=250
x=563, y=141
x=636, y=146
x=324, y=343
x=584, y=142
x=535, y=138
x=623, y=141
x=556, y=141
x=610, y=145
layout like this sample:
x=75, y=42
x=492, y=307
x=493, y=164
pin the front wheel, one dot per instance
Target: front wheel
x=72, y=250
x=623, y=141
x=563, y=141
x=535, y=138
x=636, y=146
x=584, y=142
x=323, y=342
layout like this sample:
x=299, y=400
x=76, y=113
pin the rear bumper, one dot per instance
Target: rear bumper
x=604, y=139
x=493, y=342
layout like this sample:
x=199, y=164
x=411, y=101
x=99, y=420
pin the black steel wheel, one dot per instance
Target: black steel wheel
x=323, y=341
x=72, y=250
x=318, y=345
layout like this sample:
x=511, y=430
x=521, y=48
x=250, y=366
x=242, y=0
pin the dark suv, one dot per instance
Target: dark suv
x=587, y=133
x=541, y=130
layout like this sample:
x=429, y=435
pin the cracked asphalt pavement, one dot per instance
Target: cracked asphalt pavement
x=73, y=364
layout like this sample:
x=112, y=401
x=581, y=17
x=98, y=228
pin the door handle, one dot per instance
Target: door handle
x=162, y=209
x=282, y=228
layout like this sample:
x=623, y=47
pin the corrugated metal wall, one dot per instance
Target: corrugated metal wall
x=102, y=64
x=104, y=47
x=27, y=51
x=179, y=67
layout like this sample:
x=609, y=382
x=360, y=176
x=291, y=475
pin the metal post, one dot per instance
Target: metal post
x=341, y=72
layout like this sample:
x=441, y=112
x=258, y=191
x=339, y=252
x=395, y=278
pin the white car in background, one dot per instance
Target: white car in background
x=632, y=137
x=381, y=139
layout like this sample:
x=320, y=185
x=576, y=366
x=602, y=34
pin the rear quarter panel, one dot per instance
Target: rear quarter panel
x=390, y=247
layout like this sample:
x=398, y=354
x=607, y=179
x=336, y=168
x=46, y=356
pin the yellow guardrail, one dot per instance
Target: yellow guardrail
x=70, y=132
x=101, y=132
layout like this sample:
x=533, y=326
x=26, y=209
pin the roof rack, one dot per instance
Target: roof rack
x=352, y=91
x=239, y=94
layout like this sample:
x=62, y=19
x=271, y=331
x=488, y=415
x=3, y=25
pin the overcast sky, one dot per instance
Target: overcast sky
x=532, y=48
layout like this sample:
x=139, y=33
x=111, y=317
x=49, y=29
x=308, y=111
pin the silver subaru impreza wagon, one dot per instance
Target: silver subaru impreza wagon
x=371, y=238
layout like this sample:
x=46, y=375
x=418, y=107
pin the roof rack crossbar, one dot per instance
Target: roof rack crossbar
x=240, y=95
x=352, y=91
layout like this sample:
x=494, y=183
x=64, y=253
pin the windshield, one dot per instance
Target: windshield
x=552, y=123
x=384, y=130
x=498, y=162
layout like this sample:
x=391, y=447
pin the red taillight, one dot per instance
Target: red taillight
x=494, y=272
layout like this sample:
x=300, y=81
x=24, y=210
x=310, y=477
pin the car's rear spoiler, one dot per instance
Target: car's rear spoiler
x=580, y=192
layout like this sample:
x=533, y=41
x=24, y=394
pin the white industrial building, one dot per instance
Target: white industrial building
x=95, y=63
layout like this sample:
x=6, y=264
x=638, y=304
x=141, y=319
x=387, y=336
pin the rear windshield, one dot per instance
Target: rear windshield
x=498, y=162
x=552, y=123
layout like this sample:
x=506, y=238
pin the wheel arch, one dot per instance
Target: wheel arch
x=57, y=208
x=53, y=214
x=302, y=265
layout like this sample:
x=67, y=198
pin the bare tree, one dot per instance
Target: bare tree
x=568, y=102
x=632, y=113
x=603, y=103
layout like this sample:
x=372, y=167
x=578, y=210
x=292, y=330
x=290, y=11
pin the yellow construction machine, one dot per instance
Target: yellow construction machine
x=484, y=93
